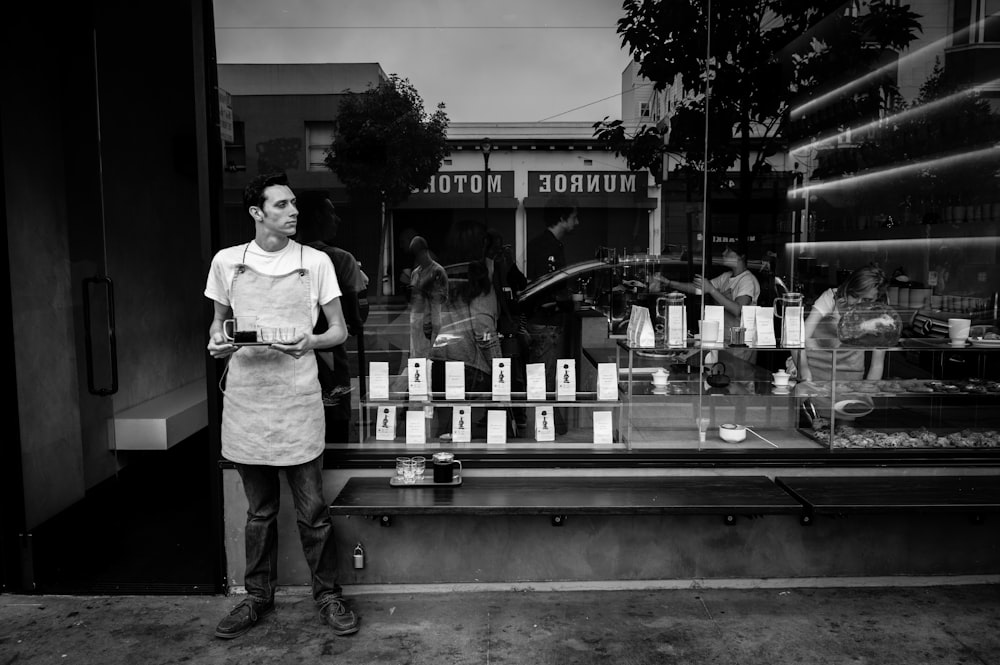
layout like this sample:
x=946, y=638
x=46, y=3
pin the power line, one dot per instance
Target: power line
x=597, y=101
x=414, y=27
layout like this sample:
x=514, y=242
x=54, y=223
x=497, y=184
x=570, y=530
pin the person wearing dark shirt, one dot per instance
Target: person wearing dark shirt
x=548, y=316
x=508, y=282
x=317, y=228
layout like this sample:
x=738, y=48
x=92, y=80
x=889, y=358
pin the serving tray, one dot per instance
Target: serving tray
x=426, y=480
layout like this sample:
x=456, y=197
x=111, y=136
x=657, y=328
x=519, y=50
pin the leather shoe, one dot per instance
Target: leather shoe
x=243, y=617
x=333, y=611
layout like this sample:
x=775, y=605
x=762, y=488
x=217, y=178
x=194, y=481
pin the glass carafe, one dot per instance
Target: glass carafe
x=789, y=308
x=671, y=317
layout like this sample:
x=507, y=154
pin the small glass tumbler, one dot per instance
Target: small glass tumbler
x=409, y=472
x=420, y=463
x=286, y=335
x=400, y=466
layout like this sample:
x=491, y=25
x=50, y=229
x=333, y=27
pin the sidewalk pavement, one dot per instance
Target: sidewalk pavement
x=951, y=625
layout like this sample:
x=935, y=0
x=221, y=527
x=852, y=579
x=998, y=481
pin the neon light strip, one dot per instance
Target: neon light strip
x=864, y=178
x=899, y=117
x=851, y=85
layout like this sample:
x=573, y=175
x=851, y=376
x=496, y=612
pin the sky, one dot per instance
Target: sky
x=487, y=60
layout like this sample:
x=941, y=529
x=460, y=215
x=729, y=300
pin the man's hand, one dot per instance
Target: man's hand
x=297, y=348
x=219, y=346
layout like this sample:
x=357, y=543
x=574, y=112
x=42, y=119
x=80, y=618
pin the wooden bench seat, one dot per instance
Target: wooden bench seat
x=558, y=497
x=887, y=494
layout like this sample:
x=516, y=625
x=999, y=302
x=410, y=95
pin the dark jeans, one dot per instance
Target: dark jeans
x=315, y=527
x=547, y=345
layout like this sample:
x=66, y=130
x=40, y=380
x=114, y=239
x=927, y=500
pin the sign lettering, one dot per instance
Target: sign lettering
x=589, y=182
x=464, y=182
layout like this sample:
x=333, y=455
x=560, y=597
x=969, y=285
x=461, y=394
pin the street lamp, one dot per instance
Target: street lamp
x=486, y=147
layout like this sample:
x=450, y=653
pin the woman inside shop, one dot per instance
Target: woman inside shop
x=733, y=289
x=468, y=334
x=866, y=284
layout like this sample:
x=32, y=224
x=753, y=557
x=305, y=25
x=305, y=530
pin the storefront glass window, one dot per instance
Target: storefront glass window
x=770, y=266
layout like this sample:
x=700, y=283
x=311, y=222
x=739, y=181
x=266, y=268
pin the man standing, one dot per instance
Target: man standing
x=272, y=417
x=549, y=315
x=428, y=294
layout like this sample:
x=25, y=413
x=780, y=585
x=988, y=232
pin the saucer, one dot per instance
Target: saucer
x=959, y=344
x=785, y=390
x=659, y=385
x=660, y=391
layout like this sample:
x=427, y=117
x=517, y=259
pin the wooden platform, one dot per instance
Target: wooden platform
x=861, y=494
x=558, y=496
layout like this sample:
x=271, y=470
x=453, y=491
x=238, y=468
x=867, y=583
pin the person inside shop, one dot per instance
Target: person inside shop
x=550, y=311
x=317, y=228
x=272, y=409
x=733, y=289
x=428, y=294
x=468, y=334
x=508, y=281
x=866, y=284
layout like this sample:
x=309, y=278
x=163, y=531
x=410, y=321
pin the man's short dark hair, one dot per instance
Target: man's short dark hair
x=253, y=193
x=558, y=209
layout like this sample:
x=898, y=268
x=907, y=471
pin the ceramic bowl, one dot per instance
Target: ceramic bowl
x=732, y=433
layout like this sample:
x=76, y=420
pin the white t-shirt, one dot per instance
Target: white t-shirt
x=744, y=284
x=322, y=278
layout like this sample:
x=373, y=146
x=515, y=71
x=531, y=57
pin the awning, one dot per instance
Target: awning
x=455, y=202
x=595, y=201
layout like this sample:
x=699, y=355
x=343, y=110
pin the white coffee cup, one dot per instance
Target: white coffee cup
x=781, y=378
x=660, y=377
x=958, y=331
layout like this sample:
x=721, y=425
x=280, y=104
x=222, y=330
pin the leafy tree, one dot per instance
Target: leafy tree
x=386, y=145
x=766, y=56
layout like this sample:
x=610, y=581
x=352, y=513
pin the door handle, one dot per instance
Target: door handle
x=89, y=338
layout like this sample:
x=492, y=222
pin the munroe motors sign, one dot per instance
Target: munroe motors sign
x=545, y=183
x=469, y=182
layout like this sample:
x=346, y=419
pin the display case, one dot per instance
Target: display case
x=524, y=420
x=911, y=409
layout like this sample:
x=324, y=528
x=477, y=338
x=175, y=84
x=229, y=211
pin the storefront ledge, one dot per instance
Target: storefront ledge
x=453, y=201
x=595, y=201
x=653, y=585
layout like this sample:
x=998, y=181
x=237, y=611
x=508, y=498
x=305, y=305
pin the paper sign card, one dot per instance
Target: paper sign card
x=496, y=426
x=566, y=379
x=748, y=320
x=765, y=327
x=791, y=328
x=501, y=379
x=676, y=332
x=603, y=428
x=545, y=426
x=416, y=431
x=454, y=380
x=607, y=381
x=385, y=423
x=536, y=382
x=378, y=380
x=417, y=369
x=461, y=424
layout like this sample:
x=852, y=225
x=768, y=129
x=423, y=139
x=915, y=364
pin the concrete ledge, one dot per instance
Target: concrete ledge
x=163, y=421
x=887, y=581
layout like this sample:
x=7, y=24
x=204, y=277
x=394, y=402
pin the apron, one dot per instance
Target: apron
x=272, y=409
x=850, y=362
